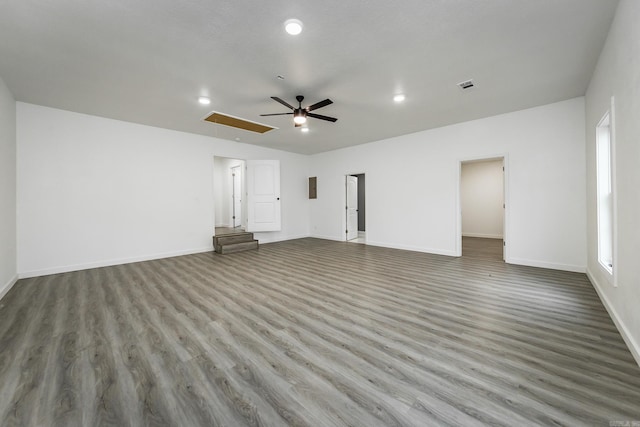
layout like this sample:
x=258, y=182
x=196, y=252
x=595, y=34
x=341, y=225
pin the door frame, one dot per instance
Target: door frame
x=507, y=211
x=239, y=169
x=344, y=203
x=221, y=176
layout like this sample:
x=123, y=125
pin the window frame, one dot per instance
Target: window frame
x=605, y=134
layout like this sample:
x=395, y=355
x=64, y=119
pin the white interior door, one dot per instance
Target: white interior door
x=236, y=196
x=263, y=195
x=352, y=207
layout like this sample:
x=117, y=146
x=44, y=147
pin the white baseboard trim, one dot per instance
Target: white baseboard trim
x=7, y=286
x=334, y=238
x=413, y=248
x=262, y=240
x=392, y=246
x=484, y=236
x=549, y=265
x=108, y=263
x=634, y=347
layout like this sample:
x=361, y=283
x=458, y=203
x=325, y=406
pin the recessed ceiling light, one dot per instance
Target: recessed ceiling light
x=305, y=130
x=293, y=26
x=204, y=100
x=398, y=98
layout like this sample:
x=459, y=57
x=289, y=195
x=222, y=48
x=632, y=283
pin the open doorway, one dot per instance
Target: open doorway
x=246, y=195
x=482, y=208
x=355, y=208
x=228, y=188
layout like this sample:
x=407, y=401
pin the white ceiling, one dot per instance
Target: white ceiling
x=147, y=61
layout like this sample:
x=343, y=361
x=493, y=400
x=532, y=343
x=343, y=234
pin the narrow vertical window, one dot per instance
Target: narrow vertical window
x=604, y=176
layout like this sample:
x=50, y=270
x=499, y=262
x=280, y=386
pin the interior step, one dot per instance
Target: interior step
x=237, y=247
x=234, y=242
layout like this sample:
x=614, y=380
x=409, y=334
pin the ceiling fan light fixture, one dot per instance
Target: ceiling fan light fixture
x=293, y=26
x=299, y=119
x=300, y=114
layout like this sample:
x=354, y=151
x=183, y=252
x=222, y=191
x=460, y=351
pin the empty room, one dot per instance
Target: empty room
x=186, y=237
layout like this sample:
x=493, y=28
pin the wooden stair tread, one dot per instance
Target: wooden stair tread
x=234, y=242
x=238, y=247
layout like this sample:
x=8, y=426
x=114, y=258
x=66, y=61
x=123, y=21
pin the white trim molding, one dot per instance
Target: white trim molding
x=263, y=237
x=7, y=286
x=326, y=237
x=413, y=248
x=634, y=347
x=484, y=236
x=109, y=263
x=549, y=265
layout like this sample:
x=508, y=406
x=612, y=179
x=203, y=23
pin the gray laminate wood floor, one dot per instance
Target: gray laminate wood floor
x=312, y=333
x=480, y=247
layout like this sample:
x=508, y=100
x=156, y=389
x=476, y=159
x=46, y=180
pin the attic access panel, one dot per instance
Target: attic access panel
x=238, y=123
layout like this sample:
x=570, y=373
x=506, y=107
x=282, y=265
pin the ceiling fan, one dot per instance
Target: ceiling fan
x=300, y=114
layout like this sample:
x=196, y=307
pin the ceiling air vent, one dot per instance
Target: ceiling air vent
x=236, y=122
x=467, y=84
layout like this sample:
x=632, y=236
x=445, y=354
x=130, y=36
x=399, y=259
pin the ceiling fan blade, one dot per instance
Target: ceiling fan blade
x=321, y=117
x=285, y=103
x=319, y=105
x=275, y=114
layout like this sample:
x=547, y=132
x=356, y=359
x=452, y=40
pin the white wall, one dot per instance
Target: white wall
x=618, y=74
x=8, y=269
x=481, y=198
x=94, y=191
x=412, y=184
